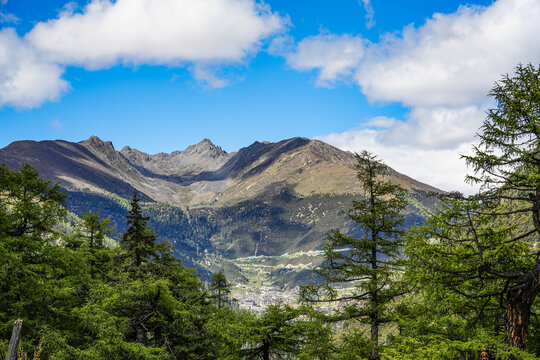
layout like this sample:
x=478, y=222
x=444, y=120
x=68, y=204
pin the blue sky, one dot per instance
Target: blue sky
x=406, y=80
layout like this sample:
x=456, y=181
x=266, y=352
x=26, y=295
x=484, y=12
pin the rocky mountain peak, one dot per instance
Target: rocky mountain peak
x=205, y=145
x=97, y=144
x=203, y=156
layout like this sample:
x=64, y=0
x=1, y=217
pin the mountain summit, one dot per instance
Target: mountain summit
x=265, y=199
x=201, y=175
x=204, y=156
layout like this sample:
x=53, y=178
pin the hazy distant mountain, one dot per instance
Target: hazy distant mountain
x=266, y=199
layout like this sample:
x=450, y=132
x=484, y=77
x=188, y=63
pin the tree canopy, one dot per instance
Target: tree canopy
x=484, y=247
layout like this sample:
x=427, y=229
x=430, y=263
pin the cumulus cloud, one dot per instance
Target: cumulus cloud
x=169, y=32
x=201, y=35
x=441, y=168
x=335, y=56
x=454, y=58
x=26, y=80
x=435, y=127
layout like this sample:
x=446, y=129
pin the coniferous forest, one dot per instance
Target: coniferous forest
x=463, y=284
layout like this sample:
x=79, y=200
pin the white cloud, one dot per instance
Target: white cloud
x=207, y=77
x=201, y=35
x=334, y=56
x=441, y=168
x=170, y=32
x=435, y=127
x=8, y=18
x=281, y=45
x=453, y=59
x=370, y=13
x=26, y=80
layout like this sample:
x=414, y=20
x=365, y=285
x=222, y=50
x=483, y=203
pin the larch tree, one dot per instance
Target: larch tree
x=91, y=234
x=220, y=289
x=30, y=261
x=485, y=247
x=369, y=264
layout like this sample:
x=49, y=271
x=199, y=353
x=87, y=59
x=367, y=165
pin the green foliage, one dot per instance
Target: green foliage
x=483, y=249
x=138, y=242
x=170, y=222
x=470, y=282
x=81, y=299
x=368, y=265
x=30, y=263
x=283, y=331
x=230, y=330
x=90, y=240
x=220, y=289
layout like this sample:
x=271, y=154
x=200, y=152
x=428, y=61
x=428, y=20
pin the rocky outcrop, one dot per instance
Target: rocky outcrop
x=204, y=156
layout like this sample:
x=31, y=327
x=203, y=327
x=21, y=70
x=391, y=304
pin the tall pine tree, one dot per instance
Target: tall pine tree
x=367, y=263
x=220, y=289
x=139, y=240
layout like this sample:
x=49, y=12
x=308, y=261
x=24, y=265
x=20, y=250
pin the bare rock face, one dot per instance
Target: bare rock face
x=204, y=156
x=105, y=151
x=202, y=175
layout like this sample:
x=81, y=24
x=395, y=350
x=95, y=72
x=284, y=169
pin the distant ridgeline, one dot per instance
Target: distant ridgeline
x=215, y=207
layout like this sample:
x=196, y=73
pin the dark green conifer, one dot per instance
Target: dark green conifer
x=139, y=240
x=220, y=289
x=484, y=248
x=90, y=236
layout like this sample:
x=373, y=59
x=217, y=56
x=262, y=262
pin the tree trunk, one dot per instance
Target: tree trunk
x=374, y=336
x=15, y=339
x=517, y=323
x=518, y=312
x=266, y=352
x=374, y=317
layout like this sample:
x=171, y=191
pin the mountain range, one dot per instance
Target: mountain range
x=269, y=202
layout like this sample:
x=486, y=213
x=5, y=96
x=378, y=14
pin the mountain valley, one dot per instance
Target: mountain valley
x=261, y=214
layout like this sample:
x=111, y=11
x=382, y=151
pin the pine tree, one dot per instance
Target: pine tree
x=220, y=289
x=139, y=240
x=91, y=234
x=370, y=262
x=284, y=332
